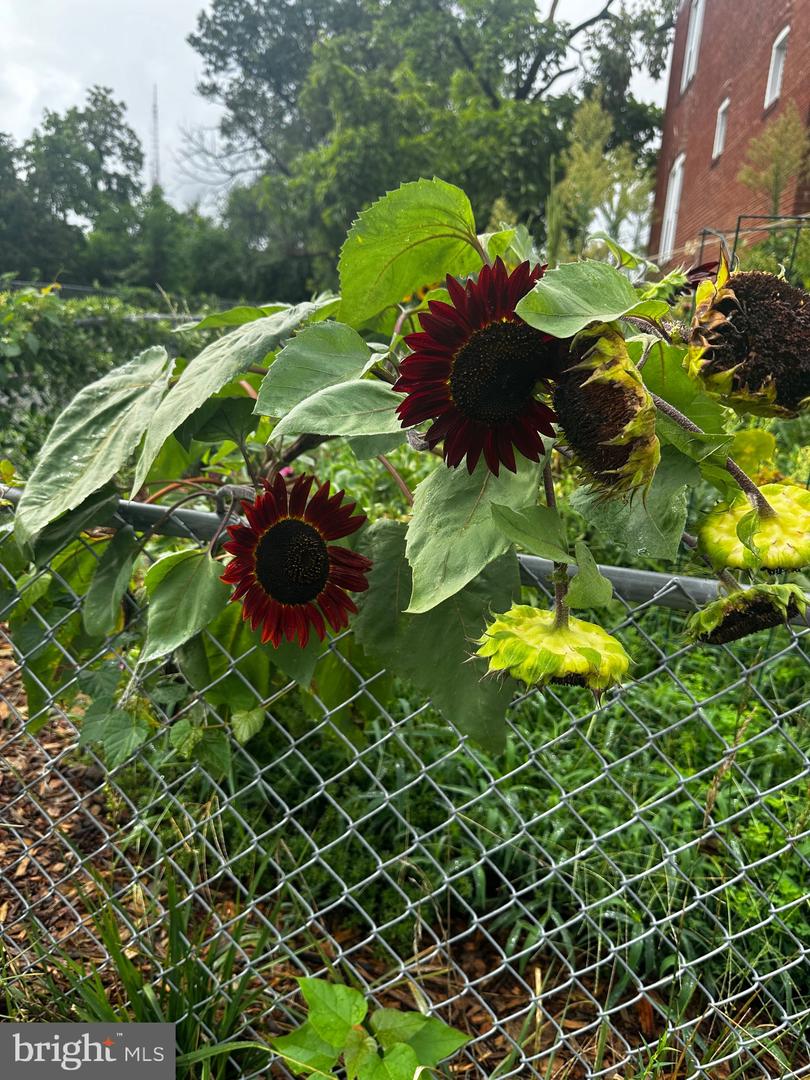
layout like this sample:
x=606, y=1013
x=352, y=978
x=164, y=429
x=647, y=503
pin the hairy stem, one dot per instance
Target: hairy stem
x=403, y=487
x=743, y=480
x=560, y=573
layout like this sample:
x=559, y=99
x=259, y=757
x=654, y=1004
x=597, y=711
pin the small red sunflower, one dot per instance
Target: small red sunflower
x=475, y=368
x=286, y=574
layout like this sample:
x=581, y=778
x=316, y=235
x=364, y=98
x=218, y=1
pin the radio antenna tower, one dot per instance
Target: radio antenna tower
x=155, y=139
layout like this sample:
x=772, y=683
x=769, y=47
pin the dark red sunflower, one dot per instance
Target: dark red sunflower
x=287, y=574
x=475, y=369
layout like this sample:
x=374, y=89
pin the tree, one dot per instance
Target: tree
x=85, y=160
x=777, y=156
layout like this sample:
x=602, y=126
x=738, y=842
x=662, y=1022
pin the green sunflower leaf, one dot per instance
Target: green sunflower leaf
x=538, y=529
x=185, y=593
x=663, y=373
x=210, y=370
x=588, y=588
x=102, y=604
x=235, y=316
x=356, y=407
x=452, y=535
x=334, y=1009
x=409, y=644
x=92, y=439
x=320, y=355
x=653, y=526
x=568, y=299
x=411, y=236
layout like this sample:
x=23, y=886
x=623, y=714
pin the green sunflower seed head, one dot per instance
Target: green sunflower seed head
x=782, y=542
x=526, y=643
x=607, y=414
x=741, y=613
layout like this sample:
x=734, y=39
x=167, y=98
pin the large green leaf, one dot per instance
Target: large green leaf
x=306, y=1052
x=92, y=439
x=208, y=372
x=650, y=527
x=567, y=299
x=321, y=355
x=218, y=420
x=399, y=1063
x=235, y=316
x=410, y=237
x=452, y=535
x=185, y=593
x=588, y=588
x=538, y=529
x=409, y=644
x=102, y=605
x=98, y=509
x=664, y=374
x=356, y=407
x=334, y=1009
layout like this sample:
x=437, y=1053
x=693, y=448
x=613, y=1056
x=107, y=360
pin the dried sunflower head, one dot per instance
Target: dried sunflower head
x=527, y=643
x=782, y=540
x=607, y=414
x=745, y=612
x=750, y=342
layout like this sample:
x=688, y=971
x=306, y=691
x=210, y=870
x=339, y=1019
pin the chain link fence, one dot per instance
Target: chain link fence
x=622, y=893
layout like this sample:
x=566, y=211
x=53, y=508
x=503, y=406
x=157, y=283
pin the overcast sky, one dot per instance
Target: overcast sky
x=52, y=50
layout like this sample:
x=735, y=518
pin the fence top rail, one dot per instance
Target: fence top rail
x=638, y=587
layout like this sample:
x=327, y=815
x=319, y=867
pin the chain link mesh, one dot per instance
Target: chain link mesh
x=624, y=892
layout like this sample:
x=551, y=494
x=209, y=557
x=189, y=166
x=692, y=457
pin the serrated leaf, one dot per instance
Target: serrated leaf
x=416, y=234
x=219, y=419
x=185, y=593
x=572, y=296
x=334, y=1009
x=369, y=446
x=102, y=604
x=235, y=316
x=92, y=439
x=306, y=1052
x=588, y=588
x=409, y=644
x=320, y=355
x=247, y=723
x=452, y=535
x=184, y=737
x=210, y=370
x=651, y=527
x=538, y=529
x=356, y=407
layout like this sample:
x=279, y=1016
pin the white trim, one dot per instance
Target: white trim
x=720, y=128
x=692, y=48
x=669, y=222
x=773, y=88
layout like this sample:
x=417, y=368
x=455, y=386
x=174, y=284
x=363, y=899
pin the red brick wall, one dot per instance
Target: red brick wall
x=733, y=61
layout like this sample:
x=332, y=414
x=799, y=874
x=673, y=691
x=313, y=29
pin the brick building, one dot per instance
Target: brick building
x=735, y=65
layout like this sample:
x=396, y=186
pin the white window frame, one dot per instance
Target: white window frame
x=773, y=88
x=691, y=50
x=669, y=222
x=720, y=128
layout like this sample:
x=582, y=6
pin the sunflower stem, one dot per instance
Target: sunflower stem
x=403, y=487
x=479, y=247
x=727, y=580
x=743, y=480
x=560, y=573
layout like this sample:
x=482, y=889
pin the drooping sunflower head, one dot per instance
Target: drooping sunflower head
x=607, y=414
x=782, y=540
x=527, y=643
x=750, y=342
x=745, y=612
x=476, y=369
x=288, y=575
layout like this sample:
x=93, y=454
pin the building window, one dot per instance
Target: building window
x=693, y=32
x=777, y=69
x=673, y=200
x=720, y=129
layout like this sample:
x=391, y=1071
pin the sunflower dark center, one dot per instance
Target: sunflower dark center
x=292, y=563
x=495, y=372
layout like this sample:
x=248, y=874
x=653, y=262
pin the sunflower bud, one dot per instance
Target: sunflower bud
x=607, y=415
x=782, y=540
x=750, y=342
x=742, y=613
x=526, y=642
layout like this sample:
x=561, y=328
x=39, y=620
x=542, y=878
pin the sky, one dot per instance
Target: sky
x=51, y=51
